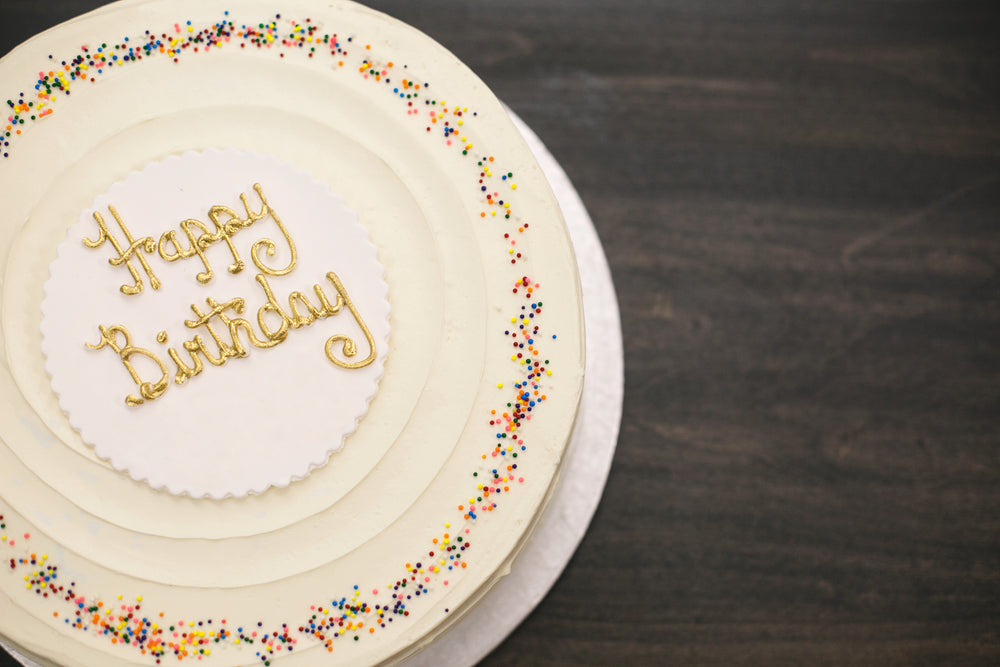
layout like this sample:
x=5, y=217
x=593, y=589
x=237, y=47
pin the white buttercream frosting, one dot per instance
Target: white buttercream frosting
x=356, y=527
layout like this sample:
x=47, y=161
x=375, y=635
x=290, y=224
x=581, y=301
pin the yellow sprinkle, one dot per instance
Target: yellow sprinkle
x=548, y=372
x=513, y=186
x=138, y=599
x=499, y=385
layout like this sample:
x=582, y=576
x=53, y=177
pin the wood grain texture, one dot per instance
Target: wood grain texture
x=800, y=202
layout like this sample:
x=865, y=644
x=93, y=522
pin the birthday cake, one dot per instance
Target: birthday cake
x=292, y=337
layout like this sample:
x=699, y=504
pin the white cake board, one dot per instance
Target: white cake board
x=588, y=462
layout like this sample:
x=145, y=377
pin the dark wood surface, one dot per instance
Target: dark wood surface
x=800, y=202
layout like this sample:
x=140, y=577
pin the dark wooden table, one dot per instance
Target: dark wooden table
x=800, y=202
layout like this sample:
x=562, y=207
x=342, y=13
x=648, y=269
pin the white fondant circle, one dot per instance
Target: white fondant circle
x=216, y=434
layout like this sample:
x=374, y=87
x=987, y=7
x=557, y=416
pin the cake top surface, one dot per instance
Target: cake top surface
x=377, y=519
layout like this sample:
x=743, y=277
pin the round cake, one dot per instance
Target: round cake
x=292, y=336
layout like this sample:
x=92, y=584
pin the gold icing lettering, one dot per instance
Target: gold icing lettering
x=225, y=223
x=225, y=331
x=267, y=244
x=148, y=390
x=135, y=248
x=350, y=348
